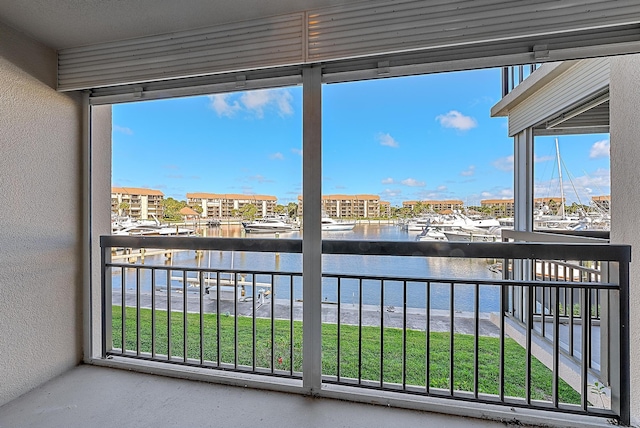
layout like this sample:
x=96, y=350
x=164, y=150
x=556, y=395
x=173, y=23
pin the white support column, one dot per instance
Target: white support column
x=97, y=184
x=523, y=180
x=625, y=196
x=312, y=237
x=523, y=208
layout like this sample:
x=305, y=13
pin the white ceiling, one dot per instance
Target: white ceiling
x=71, y=23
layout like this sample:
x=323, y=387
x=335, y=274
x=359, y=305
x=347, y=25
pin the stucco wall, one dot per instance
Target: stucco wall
x=40, y=219
x=625, y=191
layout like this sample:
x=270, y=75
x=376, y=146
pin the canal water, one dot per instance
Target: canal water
x=420, y=268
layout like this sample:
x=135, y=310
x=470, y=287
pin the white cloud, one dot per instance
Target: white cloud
x=276, y=156
x=253, y=102
x=441, y=188
x=391, y=193
x=257, y=101
x=224, y=108
x=578, y=188
x=412, y=182
x=387, y=140
x=260, y=179
x=486, y=195
x=504, y=164
x=388, y=180
x=469, y=171
x=297, y=151
x=538, y=159
x=123, y=130
x=457, y=120
x=599, y=149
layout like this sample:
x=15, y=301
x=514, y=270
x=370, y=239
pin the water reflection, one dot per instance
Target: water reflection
x=383, y=266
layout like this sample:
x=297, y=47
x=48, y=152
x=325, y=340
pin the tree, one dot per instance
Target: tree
x=280, y=209
x=292, y=209
x=124, y=207
x=248, y=212
x=172, y=209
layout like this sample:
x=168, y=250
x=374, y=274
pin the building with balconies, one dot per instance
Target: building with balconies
x=137, y=203
x=216, y=205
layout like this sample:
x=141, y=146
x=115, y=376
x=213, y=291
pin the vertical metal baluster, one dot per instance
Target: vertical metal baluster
x=201, y=313
x=138, y=311
x=123, y=282
x=381, y=333
x=253, y=321
x=504, y=296
x=404, y=336
x=451, y=338
x=338, y=339
x=169, y=314
x=427, y=375
x=476, y=340
x=235, y=320
x=543, y=310
x=529, y=326
x=360, y=333
x=219, y=339
x=556, y=348
x=184, y=315
x=571, y=292
x=153, y=313
x=291, y=341
x=586, y=326
x=273, y=324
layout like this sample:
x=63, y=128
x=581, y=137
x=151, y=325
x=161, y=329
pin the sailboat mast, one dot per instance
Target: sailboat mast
x=560, y=178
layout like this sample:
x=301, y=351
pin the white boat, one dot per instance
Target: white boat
x=269, y=225
x=473, y=234
x=329, y=224
x=153, y=230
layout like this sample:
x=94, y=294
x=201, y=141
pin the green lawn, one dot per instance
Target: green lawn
x=439, y=373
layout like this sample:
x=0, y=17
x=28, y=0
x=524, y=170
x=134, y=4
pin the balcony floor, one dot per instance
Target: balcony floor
x=92, y=396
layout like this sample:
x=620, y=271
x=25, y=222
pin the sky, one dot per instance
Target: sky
x=411, y=138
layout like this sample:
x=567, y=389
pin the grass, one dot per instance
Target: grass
x=439, y=355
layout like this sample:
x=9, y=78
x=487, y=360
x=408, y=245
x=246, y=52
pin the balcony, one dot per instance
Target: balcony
x=245, y=327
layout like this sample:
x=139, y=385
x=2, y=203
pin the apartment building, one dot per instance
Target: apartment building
x=437, y=206
x=350, y=206
x=602, y=202
x=137, y=203
x=385, y=209
x=505, y=207
x=499, y=207
x=215, y=205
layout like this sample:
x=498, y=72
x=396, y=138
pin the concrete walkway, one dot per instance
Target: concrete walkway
x=464, y=322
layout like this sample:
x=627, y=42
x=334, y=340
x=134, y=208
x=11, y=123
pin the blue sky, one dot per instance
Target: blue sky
x=411, y=138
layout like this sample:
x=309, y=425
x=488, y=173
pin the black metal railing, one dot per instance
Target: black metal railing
x=431, y=336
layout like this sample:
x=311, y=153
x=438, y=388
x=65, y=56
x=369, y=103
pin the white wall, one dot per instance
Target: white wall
x=40, y=218
x=625, y=191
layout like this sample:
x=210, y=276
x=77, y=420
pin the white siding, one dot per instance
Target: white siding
x=574, y=85
x=439, y=30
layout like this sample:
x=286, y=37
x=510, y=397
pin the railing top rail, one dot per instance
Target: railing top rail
x=497, y=250
x=388, y=278
x=569, y=236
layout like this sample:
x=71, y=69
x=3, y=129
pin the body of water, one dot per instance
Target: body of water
x=388, y=266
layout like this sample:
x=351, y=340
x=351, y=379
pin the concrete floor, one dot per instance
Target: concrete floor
x=90, y=396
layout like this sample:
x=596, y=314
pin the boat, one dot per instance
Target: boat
x=473, y=234
x=329, y=224
x=269, y=225
x=153, y=230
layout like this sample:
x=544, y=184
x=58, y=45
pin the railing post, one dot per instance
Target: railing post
x=619, y=344
x=312, y=238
